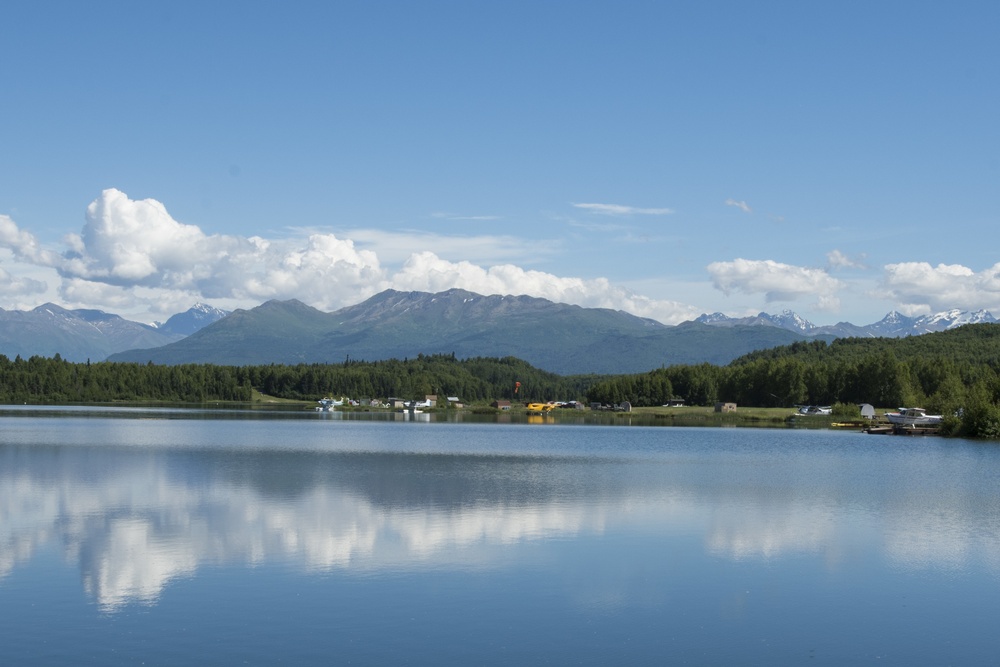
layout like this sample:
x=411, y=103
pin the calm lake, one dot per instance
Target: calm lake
x=172, y=537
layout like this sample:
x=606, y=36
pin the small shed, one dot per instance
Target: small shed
x=500, y=405
x=725, y=407
x=867, y=410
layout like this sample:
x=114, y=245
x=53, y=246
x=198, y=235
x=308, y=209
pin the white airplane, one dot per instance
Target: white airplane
x=814, y=409
x=328, y=404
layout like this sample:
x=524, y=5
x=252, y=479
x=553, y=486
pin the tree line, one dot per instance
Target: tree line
x=954, y=373
x=41, y=379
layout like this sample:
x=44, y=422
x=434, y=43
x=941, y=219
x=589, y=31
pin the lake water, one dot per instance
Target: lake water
x=168, y=537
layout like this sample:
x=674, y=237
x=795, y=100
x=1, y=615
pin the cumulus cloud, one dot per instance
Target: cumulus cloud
x=137, y=244
x=777, y=281
x=918, y=286
x=618, y=209
x=742, y=205
x=23, y=244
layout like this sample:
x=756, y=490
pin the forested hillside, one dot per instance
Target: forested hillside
x=952, y=373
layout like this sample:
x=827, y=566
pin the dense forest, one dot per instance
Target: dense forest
x=40, y=379
x=955, y=373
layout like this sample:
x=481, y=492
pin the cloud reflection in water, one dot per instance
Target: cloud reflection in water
x=134, y=519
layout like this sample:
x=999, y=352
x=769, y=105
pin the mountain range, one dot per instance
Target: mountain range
x=83, y=335
x=893, y=325
x=557, y=337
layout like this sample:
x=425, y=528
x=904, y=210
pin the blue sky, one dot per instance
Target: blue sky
x=665, y=158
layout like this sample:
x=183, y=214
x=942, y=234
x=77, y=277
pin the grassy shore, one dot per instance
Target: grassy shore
x=675, y=416
x=686, y=416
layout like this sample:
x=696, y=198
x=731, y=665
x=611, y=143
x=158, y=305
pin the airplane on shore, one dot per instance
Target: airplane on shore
x=815, y=409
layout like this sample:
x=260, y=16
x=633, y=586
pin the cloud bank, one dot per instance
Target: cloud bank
x=133, y=252
x=133, y=257
x=926, y=289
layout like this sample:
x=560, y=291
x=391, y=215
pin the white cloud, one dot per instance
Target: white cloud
x=920, y=287
x=74, y=292
x=136, y=242
x=20, y=286
x=23, y=283
x=742, y=205
x=23, y=244
x=777, y=281
x=838, y=260
x=443, y=215
x=618, y=209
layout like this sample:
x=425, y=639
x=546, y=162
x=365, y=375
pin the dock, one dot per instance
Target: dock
x=896, y=429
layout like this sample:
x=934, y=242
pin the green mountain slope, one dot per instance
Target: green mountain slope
x=277, y=332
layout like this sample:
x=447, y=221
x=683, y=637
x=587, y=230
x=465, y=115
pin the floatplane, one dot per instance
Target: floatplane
x=913, y=417
x=328, y=404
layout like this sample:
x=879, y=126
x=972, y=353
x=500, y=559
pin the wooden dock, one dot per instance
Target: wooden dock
x=896, y=429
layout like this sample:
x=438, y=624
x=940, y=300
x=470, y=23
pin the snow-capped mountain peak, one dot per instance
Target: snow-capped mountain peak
x=194, y=318
x=950, y=319
x=790, y=320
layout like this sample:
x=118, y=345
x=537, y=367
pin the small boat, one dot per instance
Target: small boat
x=913, y=417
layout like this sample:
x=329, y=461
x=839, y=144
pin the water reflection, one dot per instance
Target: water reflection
x=135, y=518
